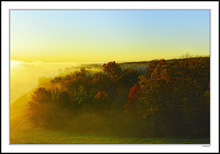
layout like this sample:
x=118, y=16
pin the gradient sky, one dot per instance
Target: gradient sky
x=107, y=35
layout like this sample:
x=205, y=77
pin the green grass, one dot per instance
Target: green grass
x=39, y=136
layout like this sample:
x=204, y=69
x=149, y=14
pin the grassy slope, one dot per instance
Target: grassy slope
x=39, y=136
x=18, y=107
x=18, y=112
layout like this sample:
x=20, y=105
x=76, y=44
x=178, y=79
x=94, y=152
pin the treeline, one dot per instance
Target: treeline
x=170, y=99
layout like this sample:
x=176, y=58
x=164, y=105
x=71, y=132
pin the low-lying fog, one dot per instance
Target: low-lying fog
x=24, y=76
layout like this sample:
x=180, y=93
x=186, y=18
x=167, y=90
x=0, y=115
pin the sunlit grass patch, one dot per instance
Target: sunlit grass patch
x=39, y=136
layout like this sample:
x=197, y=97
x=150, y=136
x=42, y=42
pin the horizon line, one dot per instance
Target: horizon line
x=89, y=62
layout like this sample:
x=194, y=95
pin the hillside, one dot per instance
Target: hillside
x=158, y=98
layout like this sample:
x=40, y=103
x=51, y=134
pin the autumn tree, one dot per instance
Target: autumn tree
x=113, y=70
x=39, y=106
x=102, y=100
x=133, y=95
x=151, y=66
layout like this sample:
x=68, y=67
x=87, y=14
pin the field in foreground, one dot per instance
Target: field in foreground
x=38, y=136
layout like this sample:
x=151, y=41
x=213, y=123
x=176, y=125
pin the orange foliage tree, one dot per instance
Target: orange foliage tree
x=113, y=70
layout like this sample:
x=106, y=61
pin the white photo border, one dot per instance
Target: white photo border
x=66, y=148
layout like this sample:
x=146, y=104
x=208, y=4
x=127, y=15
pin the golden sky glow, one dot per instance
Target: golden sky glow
x=102, y=36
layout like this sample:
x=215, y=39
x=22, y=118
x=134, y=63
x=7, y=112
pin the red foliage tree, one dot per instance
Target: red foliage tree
x=134, y=92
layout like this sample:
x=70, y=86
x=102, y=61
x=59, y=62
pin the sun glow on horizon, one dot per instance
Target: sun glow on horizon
x=104, y=35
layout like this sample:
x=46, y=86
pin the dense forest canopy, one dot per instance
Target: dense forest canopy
x=166, y=99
